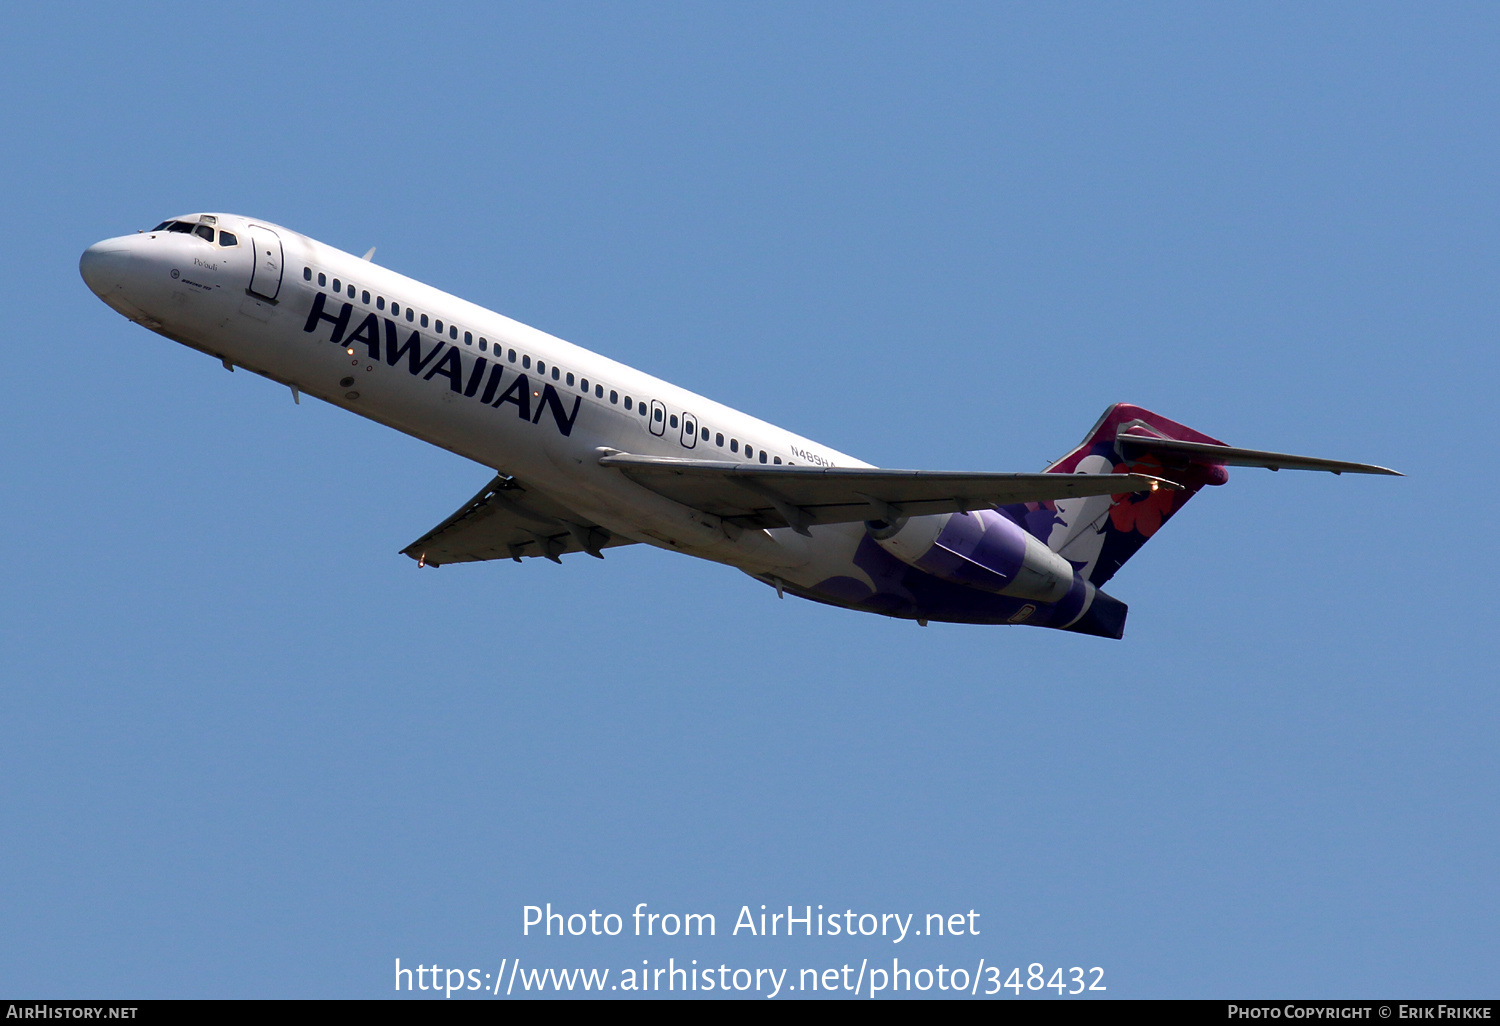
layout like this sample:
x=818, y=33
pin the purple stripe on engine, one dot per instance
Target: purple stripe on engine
x=905, y=591
x=980, y=550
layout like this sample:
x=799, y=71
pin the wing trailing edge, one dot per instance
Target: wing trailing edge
x=756, y=496
x=507, y=521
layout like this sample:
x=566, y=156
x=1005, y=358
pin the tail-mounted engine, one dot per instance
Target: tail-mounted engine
x=980, y=549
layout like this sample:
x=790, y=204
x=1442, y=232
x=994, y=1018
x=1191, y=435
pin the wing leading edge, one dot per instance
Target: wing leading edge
x=799, y=497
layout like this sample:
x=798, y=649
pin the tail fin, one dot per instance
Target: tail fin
x=1098, y=534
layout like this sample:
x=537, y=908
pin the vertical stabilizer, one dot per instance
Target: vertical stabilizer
x=1098, y=534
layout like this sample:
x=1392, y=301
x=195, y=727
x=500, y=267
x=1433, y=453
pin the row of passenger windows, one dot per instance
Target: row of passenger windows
x=582, y=384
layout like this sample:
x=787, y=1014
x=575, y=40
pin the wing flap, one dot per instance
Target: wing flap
x=507, y=521
x=788, y=496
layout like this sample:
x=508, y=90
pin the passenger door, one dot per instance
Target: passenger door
x=265, y=272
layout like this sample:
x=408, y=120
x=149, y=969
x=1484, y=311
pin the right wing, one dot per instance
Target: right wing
x=754, y=495
x=507, y=521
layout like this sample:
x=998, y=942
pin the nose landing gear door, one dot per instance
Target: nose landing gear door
x=265, y=273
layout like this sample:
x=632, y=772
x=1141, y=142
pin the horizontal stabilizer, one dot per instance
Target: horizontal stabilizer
x=756, y=496
x=508, y=521
x=1231, y=457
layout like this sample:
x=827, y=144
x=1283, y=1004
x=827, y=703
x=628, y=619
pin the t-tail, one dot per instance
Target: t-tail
x=1098, y=534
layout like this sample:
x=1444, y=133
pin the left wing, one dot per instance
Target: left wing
x=508, y=521
x=752, y=495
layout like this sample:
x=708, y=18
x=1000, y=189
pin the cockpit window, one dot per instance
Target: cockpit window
x=228, y=239
x=203, y=231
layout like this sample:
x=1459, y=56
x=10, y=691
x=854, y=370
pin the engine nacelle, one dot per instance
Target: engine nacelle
x=980, y=549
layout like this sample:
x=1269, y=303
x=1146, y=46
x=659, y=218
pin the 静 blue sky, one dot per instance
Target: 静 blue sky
x=250, y=750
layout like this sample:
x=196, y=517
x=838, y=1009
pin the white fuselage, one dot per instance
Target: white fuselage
x=582, y=435
x=249, y=304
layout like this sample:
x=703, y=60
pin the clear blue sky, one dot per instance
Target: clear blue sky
x=250, y=750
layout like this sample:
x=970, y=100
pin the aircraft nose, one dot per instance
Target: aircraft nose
x=103, y=266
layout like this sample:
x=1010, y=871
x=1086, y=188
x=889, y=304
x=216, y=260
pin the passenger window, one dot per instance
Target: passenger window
x=598, y=391
x=570, y=381
x=203, y=231
x=364, y=297
x=351, y=290
x=511, y=356
x=734, y=445
x=777, y=459
x=719, y=441
x=705, y=434
x=438, y=327
x=657, y=415
x=452, y=332
x=338, y=286
x=380, y=302
x=424, y=320
x=307, y=274
x=642, y=408
x=408, y=315
x=749, y=452
x=763, y=455
x=541, y=367
x=673, y=421
x=483, y=344
x=614, y=396
x=627, y=402
x=554, y=372
x=468, y=338
x=526, y=362
x=322, y=279
x=228, y=239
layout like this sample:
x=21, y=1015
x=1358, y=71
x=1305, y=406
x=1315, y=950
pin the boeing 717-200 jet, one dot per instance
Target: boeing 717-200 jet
x=588, y=453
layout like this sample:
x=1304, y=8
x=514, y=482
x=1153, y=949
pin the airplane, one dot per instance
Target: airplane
x=588, y=454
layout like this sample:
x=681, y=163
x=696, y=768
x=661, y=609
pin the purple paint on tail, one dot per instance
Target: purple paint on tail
x=1097, y=535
